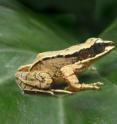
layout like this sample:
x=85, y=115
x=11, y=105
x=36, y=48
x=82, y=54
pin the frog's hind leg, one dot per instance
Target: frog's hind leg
x=35, y=82
x=37, y=91
x=32, y=90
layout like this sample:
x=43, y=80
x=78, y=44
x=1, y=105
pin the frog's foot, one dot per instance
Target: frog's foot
x=98, y=84
x=50, y=92
x=37, y=91
x=61, y=91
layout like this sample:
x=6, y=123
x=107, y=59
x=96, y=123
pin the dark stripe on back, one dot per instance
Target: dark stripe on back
x=84, y=53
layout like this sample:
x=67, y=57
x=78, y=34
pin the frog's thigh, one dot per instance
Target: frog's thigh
x=29, y=89
x=42, y=80
x=72, y=80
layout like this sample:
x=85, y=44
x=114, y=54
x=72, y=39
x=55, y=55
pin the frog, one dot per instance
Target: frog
x=64, y=67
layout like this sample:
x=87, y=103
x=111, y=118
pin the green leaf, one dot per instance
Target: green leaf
x=108, y=64
x=97, y=107
x=22, y=35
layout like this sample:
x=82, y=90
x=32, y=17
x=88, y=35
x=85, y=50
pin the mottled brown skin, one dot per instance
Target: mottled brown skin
x=62, y=67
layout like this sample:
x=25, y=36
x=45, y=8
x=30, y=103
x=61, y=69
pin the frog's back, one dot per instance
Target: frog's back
x=58, y=58
x=65, y=52
x=55, y=56
x=53, y=63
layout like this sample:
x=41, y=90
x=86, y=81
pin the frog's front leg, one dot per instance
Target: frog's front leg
x=74, y=84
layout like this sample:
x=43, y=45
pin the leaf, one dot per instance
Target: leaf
x=22, y=35
x=97, y=107
x=108, y=65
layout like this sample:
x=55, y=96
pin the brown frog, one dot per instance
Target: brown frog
x=54, y=67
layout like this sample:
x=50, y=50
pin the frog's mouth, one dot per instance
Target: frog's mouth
x=109, y=45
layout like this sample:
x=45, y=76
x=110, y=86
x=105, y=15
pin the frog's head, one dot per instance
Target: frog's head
x=98, y=47
x=98, y=43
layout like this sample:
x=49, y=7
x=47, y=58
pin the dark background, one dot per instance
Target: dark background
x=82, y=18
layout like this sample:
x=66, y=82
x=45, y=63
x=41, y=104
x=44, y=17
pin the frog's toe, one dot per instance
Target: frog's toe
x=98, y=83
x=95, y=87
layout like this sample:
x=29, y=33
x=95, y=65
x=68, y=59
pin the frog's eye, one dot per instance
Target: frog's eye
x=99, y=40
x=90, y=40
x=94, y=40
